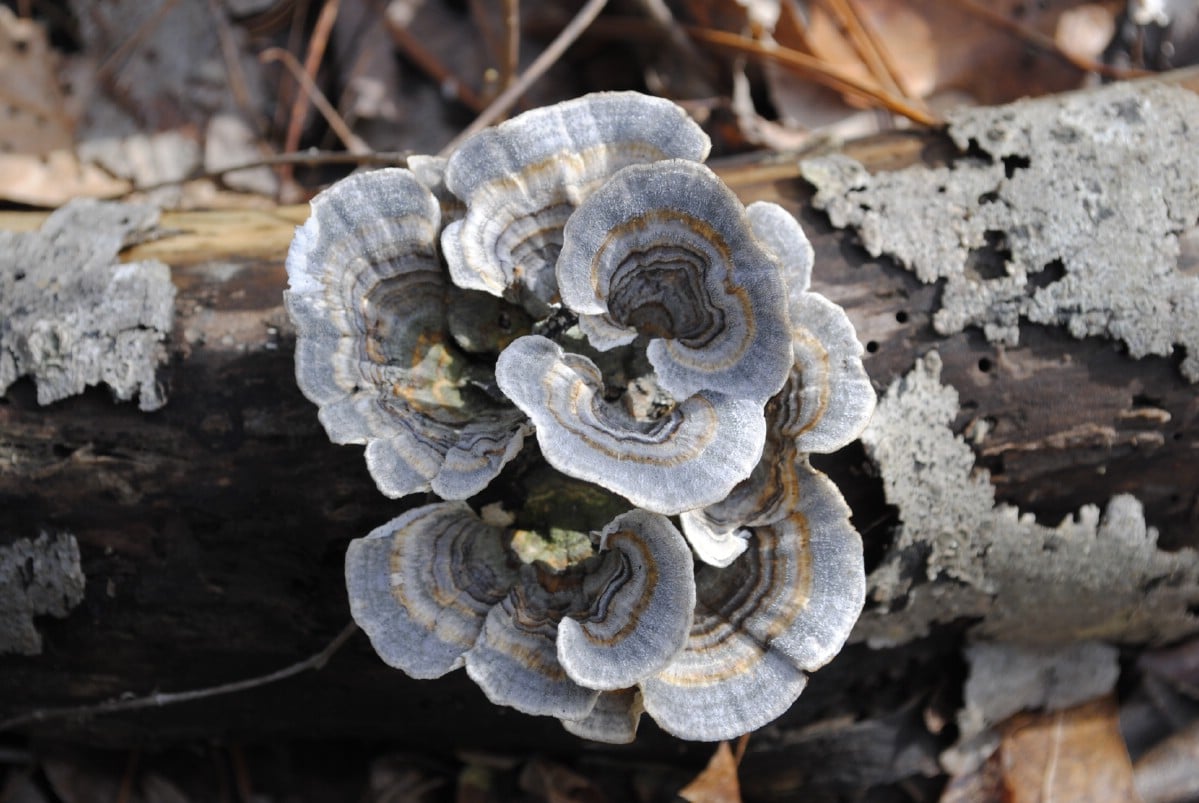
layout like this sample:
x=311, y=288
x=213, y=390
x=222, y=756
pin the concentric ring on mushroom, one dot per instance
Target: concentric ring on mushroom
x=604, y=375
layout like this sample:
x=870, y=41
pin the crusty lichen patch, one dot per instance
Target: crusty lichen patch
x=71, y=315
x=1088, y=193
x=37, y=578
x=958, y=555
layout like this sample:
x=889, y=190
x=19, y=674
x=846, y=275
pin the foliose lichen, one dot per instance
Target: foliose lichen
x=39, y=577
x=958, y=555
x=1085, y=199
x=72, y=315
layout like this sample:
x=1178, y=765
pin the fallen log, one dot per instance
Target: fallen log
x=211, y=530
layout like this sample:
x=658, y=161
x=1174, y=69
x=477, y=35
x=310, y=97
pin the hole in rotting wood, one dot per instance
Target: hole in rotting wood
x=1052, y=273
x=901, y=316
x=989, y=261
x=871, y=346
x=985, y=365
x=1013, y=163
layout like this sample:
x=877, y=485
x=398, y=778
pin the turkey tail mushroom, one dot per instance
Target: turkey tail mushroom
x=783, y=609
x=368, y=297
x=666, y=250
x=577, y=273
x=522, y=180
x=686, y=458
x=421, y=585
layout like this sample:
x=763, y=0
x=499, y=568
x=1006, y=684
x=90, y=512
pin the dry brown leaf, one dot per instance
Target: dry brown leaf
x=981, y=785
x=53, y=179
x=936, y=47
x=1085, y=31
x=1063, y=756
x=32, y=117
x=718, y=782
x=84, y=781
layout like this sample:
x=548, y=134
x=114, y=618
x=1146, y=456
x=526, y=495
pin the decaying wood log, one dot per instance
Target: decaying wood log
x=212, y=530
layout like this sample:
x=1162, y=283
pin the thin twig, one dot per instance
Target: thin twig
x=322, y=104
x=694, y=62
x=542, y=63
x=880, y=49
x=448, y=82
x=312, y=60
x=288, y=90
x=511, y=62
x=125, y=792
x=308, y=158
x=115, y=59
x=865, y=46
x=232, y=58
x=817, y=70
x=1046, y=43
x=159, y=699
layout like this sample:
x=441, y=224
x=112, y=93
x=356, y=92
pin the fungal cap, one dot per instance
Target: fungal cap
x=666, y=249
x=522, y=179
x=367, y=295
x=421, y=585
x=713, y=544
x=830, y=398
x=689, y=457
x=613, y=720
x=798, y=589
x=515, y=659
x=641, y=595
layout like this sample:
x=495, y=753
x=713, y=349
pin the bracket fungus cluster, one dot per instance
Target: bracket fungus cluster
x=576, y=326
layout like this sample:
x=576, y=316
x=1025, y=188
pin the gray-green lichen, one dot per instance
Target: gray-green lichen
x=959, y=555
x=37, y=578
x=1086, y=197
x=71, y=315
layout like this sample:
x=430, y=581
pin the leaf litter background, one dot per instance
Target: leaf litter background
x=159, y=99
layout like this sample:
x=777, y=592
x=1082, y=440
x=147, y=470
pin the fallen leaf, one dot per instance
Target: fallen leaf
x=54, y=178
x=1085, y=31
x=982, y=784
x=1071, y=755
x=32, y=115
x=718, y=782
